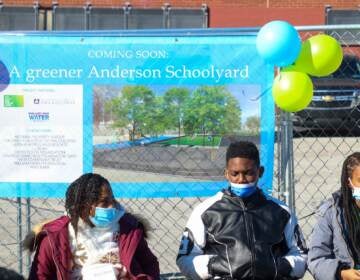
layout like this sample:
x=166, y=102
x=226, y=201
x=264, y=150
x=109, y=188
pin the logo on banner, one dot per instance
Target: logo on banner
x=39, y=116
x=54, y=101
x=13, y=101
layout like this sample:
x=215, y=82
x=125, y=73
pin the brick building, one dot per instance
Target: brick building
x=139, y=14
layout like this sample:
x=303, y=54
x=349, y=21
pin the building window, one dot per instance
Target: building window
x=99, y=18
x=106, y=18
x=144, y=18
x=21, y=18
x=69, y=18
x=188, y=18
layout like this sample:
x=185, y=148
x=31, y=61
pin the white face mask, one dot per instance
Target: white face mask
x=355, y=190
x=243, y=186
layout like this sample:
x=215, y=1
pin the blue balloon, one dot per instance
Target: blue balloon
x=278, y=43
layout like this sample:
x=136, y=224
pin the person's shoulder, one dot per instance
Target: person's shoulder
x=207, y=203
x=328, y=204
x=131, y=221
x=277, y=202
x=38, y=231
x=56, y=224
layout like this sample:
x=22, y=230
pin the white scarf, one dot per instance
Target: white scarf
x=94, y=245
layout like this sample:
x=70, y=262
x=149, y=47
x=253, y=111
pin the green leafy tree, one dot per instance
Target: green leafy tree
x=174, y=107
x=212, y=110
x=232, y=117
x=133, y=109
x=253, y=124
x=155, y=122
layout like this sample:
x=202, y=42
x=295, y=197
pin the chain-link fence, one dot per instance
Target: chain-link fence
x=329, y=129
x=310, y=148
x=323, y=135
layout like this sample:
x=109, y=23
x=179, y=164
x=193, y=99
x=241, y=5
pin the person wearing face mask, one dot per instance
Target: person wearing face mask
x=240, y=232
x=334, y=248
x=96, y=239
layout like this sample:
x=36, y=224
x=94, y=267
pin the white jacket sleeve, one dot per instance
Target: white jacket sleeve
x=191, y=260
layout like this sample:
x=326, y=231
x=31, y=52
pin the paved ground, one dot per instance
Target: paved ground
x=317, y=173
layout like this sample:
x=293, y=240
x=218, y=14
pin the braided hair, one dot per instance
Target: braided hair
x=82, y=194
x=349, y=165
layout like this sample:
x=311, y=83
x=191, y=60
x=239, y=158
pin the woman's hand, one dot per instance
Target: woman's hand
x=350, y=274
x=122, y=273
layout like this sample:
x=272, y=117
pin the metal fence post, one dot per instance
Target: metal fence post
x=28, y=229
x=19, y=235
x=287, y=189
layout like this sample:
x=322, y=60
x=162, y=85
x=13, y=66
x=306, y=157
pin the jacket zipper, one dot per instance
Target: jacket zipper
x=52, y=249
x=272, y=255
x=227, y=253
x=251, y=243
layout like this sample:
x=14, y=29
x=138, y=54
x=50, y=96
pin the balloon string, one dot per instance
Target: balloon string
x=261, y=94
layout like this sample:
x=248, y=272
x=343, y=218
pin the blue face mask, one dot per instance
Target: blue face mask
x=355, y=190
x=243, y=190
x=104, y=217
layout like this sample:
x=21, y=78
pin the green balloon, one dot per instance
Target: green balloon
x=292, y=91
x=320, y=56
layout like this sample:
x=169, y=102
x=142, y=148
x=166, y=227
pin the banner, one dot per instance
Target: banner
x=153, y=114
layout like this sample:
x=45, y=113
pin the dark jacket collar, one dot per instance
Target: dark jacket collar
x=256, y=199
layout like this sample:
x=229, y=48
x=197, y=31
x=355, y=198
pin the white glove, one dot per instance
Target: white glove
x=200, y=263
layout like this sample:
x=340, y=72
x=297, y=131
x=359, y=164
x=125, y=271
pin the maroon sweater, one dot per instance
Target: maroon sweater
x=53, y=257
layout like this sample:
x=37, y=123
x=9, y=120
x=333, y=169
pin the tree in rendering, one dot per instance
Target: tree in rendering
x=212, y=110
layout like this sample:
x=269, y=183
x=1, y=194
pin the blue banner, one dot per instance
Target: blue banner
x=153, y=114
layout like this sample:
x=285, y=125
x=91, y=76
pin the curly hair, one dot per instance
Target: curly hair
x=243, y=149
x=349, y=165
x=82, y=194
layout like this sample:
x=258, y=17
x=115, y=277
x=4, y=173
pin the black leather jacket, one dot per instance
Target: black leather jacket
x=246, y=238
